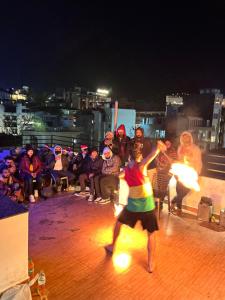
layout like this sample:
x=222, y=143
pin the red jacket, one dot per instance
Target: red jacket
x=26, y=162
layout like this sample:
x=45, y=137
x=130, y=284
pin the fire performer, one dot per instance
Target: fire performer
x=141, y=205
x=189, y=154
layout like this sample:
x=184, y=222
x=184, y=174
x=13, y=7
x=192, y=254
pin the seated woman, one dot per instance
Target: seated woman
x=31, y=169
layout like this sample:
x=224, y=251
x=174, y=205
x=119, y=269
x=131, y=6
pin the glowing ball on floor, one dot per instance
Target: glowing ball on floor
x=121, y=261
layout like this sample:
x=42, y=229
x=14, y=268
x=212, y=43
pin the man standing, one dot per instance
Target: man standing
x=141, y=205
x=190, y=154
x=123, y=142
x=140, y=145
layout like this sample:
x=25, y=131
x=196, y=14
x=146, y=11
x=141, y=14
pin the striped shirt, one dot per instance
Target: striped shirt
x=140, y=197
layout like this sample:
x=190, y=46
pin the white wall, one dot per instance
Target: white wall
x=126, y=117
x=13, y=251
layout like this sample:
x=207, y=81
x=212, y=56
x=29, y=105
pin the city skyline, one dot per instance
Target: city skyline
x=140, y=52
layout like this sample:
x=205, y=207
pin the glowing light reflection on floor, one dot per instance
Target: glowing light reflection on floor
x=121, y=261
x=129, y=241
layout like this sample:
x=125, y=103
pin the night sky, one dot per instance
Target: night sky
x=141, y=52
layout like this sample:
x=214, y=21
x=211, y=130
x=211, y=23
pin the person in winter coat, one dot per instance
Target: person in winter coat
x=123, y=143
x=140, y=146
x=109, y=142
x=190, y=154
x=58, y=166
x=107, y=183
x=31, y=169
x=79, y=162
x=93, y=168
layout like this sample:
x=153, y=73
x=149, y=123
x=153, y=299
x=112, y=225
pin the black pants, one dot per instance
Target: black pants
x=106, y=185
x=84, y=179
x=29, y=184
x=182, y=191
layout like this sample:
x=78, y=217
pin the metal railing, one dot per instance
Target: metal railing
x=39, y=140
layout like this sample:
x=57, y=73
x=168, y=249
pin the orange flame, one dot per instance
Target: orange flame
x=186, y=175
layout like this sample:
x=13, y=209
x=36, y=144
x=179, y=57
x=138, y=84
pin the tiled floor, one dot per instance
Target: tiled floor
x=66, y=240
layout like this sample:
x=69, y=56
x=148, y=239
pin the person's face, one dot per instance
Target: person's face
x=84, y=151
x=5, y=173
x=109, y=136
x=107, y=154
x=139, y=133
x=168, y=144
x=9, y=162
x=120, y=132
x=186, y=139
x=94, y=154
x=17, y=150
x=30, y=152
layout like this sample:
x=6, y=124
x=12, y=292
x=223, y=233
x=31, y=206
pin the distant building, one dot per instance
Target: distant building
x=14, y=118
x=14, y=95
x=79, y=98
x=202, y=114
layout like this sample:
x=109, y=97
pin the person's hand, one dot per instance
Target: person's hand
x=161, y=146
x=91, y=175
x=34, y=175
x=74, y=167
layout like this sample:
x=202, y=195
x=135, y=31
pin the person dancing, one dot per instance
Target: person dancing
x=141, y=205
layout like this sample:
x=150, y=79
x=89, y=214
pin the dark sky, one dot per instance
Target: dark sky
x=140, y=51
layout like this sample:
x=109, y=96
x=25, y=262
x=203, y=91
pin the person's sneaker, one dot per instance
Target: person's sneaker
x=84, y=194
x=31, y=199
x=98, y=199
x=104, y=201
x=91, y=198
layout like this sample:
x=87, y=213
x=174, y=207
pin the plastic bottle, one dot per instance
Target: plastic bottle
x=30, y=268
x=41, y=285
x=36, y=194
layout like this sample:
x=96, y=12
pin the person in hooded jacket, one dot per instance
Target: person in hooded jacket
x=58, y=165
x=123, y=143
x=106, y=185
x=30, y=170
x=93, y=168
x=190, y=154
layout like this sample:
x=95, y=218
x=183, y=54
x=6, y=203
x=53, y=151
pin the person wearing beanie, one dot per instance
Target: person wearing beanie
x=93, y=168
x=123, y=142
x=106, y=185
x=109, y=141
x=80, y=161
x=31, y=169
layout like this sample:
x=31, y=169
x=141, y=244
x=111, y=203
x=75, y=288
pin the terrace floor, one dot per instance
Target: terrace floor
x=66, y=239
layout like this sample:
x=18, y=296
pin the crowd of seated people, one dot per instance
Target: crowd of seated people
x=26, y=171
